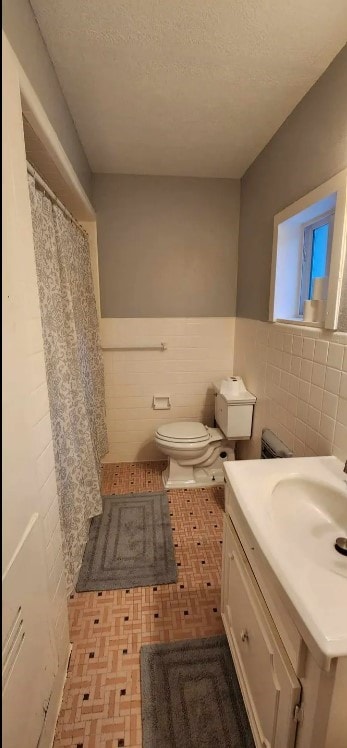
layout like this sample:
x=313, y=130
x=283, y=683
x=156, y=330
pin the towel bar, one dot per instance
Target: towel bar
x=161, y=347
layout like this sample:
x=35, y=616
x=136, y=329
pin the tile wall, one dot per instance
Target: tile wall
x=199, y=351
x=299, y=375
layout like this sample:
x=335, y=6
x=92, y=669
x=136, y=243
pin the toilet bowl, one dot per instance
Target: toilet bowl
x=196, y=454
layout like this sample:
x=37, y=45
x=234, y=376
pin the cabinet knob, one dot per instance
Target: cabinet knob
x=244, y=635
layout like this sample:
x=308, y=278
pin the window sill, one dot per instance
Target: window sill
x=301, y=322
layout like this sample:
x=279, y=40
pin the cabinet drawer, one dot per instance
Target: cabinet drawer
x=267, y=678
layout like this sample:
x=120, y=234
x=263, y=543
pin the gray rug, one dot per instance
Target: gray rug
x=130, y=544
x=191, y=697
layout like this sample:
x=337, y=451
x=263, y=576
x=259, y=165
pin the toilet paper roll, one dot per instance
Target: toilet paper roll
x=310, y=311
x=320, y=288
x=314, y=310
x=230, y=387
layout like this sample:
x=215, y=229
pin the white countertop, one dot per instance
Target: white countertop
x=316, y=585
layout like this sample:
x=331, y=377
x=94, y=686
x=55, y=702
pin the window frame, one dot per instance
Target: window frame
x=333, y=195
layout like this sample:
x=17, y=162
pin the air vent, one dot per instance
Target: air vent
x=12, y=647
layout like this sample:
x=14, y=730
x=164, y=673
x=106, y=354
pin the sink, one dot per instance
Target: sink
x=311, y=515
x=294, y=510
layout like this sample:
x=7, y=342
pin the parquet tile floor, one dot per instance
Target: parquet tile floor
x=102, y=703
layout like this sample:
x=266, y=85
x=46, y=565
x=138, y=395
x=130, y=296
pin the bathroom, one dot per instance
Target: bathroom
x=178, y=136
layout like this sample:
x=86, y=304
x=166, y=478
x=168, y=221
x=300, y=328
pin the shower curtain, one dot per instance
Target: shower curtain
x=74, y=370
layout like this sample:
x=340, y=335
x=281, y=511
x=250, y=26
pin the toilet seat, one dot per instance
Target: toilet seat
x=183, y=432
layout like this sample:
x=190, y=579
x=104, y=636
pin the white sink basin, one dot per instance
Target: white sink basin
x=295, y=510
x=310, y=515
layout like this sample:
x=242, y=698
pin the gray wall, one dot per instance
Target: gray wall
x=167, y=245
x=309, y=148
x=23, y=33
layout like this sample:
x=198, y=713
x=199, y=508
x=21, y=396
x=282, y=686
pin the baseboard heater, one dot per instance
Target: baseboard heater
x=272, y=447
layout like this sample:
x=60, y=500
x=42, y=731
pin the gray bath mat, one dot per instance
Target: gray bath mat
x=130, y=544
x=191, y=697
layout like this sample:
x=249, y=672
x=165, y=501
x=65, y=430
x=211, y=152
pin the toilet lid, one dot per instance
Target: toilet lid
x=184, y=431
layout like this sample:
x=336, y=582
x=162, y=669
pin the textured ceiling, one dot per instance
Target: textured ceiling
x=186, y=87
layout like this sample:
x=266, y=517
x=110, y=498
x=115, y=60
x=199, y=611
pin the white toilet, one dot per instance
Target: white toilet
x=196, y=452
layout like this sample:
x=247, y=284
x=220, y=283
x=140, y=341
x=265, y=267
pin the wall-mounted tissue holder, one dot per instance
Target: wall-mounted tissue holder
x=161, y=402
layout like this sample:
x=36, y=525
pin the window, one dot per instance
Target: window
x=316, y=249
x=309, y=244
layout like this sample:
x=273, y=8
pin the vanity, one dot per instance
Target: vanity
x=284, y=598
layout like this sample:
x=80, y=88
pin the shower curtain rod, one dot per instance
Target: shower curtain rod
x=47, y=191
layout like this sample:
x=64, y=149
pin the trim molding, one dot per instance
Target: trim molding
x=37, y=117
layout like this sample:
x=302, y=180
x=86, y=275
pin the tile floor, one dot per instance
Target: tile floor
x=102, y=704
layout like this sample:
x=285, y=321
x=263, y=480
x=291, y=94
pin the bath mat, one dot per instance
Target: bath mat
x=130, y=544
x=191, y=696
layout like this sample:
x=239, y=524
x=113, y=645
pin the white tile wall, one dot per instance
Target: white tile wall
x=199, y=351
x=299, y=376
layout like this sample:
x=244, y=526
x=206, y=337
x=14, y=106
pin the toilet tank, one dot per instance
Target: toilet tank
x=234, y=408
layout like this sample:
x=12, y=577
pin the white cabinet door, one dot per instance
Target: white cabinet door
x=269, y=684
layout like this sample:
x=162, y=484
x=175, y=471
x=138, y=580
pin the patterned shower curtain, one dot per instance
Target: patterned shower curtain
x=74, y=370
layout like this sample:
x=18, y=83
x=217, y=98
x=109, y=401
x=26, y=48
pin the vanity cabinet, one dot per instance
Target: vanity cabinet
x=290, y=700
x=262, y=664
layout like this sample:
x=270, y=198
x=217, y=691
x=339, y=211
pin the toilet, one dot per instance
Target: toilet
x=196, y=452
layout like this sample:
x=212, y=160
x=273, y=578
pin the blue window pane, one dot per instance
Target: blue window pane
x=319, y=254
